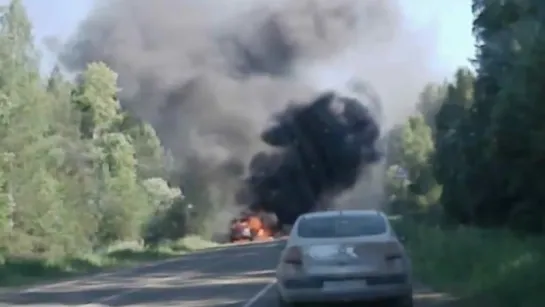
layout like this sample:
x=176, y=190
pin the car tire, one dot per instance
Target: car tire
x=404, y=301
x=281, y=302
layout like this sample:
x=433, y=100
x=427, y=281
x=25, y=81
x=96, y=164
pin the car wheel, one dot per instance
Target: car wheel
x=283, y=303
x=404, y=301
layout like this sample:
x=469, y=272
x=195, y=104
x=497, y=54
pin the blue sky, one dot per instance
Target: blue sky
x=60, y=17
x=454, y=19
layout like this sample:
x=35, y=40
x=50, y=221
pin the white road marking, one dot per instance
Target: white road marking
x=114, y=272
x=259, y=295
x=105, y=300
x=97, y=276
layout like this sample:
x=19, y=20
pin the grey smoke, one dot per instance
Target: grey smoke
x=209, y=73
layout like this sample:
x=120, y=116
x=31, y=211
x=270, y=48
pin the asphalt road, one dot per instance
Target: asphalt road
x=234, y=276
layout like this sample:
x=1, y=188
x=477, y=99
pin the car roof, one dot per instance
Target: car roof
x=350, y=212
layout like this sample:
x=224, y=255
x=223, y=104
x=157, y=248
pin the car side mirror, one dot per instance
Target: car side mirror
x=402, y=239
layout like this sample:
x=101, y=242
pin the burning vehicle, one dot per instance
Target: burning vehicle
x=252, y=226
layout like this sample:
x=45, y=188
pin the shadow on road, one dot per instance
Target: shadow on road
x=213, y=290
x=190, y=293
x=215, y=278
x=182, y=295
x=220, y=278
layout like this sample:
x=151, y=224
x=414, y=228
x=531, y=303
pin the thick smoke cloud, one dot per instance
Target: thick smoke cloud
x=323, y=147
x=208, y=74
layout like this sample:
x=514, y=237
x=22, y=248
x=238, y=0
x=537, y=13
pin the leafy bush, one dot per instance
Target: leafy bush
x=482, y=267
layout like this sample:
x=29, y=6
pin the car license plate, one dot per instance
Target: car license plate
x=345, y=284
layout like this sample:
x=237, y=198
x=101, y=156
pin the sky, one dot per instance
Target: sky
x=59, y=18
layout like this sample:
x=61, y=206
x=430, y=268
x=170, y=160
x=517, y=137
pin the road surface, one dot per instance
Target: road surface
x=234, y=276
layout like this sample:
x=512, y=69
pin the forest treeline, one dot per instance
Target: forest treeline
x=77, y=173
x=473, y=153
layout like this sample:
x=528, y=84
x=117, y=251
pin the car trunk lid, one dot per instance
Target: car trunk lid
x=353, y=256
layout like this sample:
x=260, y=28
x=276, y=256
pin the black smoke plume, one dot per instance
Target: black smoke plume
x=322, y=149
x=207, y=74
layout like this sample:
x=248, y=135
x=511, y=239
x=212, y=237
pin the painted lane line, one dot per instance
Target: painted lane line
x=114, y=272
x=105, y=300
x=252, y=301
x=131, y=270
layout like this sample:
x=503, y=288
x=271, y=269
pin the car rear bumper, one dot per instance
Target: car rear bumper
x=364, y=293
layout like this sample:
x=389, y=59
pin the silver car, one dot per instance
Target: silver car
x=341, y=256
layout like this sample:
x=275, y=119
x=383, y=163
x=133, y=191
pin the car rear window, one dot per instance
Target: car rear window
x=341, y=226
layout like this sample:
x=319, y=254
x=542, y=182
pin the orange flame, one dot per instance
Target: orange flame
x=260, y=232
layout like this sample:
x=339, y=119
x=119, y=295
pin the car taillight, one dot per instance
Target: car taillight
x=293, y=255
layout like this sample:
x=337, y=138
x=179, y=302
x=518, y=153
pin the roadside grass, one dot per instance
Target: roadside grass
x=480, y=267
x=18, y=271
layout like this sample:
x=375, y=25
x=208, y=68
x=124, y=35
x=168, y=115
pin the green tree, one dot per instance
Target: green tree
x=148, y=149
x=95, y=97
x=415, y=149
x=509, y=90
x=76, y=172
x=453, y=134
x=430, y=101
